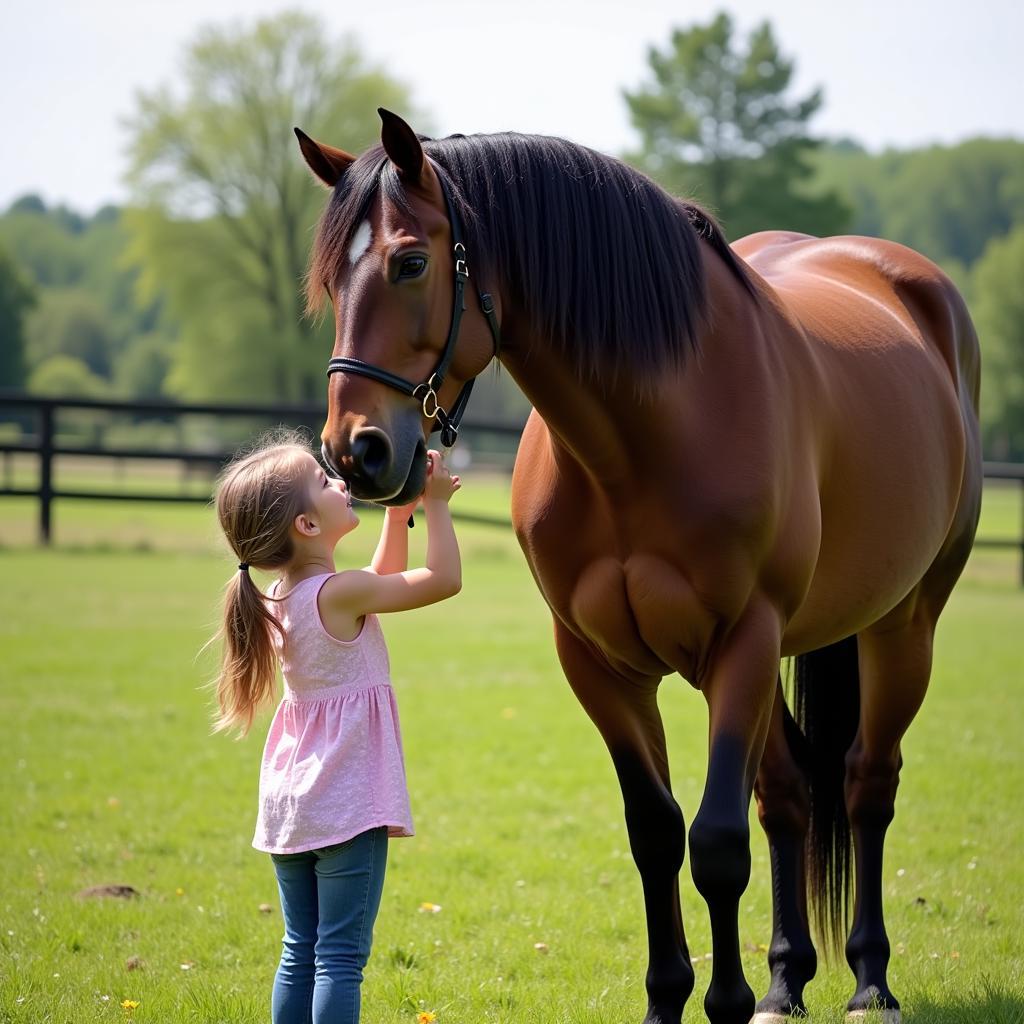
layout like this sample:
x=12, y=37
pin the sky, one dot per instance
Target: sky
x=894, y=72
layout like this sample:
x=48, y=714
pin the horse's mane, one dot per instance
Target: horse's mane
x=604, y=263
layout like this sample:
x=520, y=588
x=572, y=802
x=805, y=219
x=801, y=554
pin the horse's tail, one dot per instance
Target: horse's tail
x=827, y=709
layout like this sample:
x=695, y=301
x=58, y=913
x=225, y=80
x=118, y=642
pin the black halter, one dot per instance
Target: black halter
x=426, y=392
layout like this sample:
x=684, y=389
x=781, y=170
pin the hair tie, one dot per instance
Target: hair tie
x=244, y=566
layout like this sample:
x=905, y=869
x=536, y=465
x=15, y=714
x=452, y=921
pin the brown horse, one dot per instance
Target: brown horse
x=736, y=455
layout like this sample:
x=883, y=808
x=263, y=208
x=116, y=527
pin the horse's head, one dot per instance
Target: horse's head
x=386, y=255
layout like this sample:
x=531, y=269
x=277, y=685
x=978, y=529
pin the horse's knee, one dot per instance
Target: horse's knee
x=870, y=787
x=720, y=858
x=657, y=840
x=654, y=822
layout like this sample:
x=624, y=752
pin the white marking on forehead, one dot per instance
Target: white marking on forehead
x=360, y=242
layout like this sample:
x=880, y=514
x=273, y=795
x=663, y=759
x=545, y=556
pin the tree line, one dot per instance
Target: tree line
x=192, y=290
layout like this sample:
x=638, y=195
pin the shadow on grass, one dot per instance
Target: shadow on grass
x=991, y=1002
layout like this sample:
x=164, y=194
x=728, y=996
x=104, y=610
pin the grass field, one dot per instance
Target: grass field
x=112, y=778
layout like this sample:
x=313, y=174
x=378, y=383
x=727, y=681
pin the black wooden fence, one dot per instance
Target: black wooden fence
x=44, y=442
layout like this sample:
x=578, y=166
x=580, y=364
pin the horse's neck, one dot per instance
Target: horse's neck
x=606, y=426
x=583, y=417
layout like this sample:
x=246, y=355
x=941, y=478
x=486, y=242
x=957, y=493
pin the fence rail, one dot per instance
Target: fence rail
x=45, y=446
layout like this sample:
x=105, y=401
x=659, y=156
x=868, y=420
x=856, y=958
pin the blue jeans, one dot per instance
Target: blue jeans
x=329, y=900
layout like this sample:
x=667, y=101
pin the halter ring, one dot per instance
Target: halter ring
x=431, y=395
x=427, y=394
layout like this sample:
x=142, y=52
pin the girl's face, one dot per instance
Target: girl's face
x=330, y=503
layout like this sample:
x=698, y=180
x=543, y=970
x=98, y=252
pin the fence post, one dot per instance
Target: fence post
x=46, y=414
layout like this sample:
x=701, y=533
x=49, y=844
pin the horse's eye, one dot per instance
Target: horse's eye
x=412, y=266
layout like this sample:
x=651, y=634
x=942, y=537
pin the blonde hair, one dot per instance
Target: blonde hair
x=258, y=496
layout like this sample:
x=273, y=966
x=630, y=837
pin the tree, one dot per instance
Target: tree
x=16, y=298
x=66, y=377
x=998, y=311
x=87, y=290
x=42, y=247
x=142, y=369
x=715, y=123
x=30, y=203
x=945, y=201
x=71, y=322
x=228, y=204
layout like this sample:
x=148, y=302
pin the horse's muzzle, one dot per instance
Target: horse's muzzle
x=376, y=468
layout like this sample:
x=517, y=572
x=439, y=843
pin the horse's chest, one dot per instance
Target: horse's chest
x=640, y=612
x=620, y=573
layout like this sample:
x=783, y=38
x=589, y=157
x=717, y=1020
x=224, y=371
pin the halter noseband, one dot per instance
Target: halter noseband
x=426, y=392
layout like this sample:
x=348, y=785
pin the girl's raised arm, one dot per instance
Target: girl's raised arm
x=363, y=592
x=392, y=554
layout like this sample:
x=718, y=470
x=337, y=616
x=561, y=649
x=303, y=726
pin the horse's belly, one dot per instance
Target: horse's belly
x=886, y=512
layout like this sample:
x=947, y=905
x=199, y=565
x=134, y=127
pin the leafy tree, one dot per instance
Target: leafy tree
x=71, y=322
x=716, y=123
x=30, y=203
x=998, y=311
x=44, y=248
x=228, y=203
x=66, y=377
x=142, y=370
x=16, y=298
x=945, y=201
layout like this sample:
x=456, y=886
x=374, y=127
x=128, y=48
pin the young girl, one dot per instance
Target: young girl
x=332, y=783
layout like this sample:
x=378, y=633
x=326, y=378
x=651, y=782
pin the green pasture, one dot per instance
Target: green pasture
x=111, y=777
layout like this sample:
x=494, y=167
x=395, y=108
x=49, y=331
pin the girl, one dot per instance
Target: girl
x=332, y=783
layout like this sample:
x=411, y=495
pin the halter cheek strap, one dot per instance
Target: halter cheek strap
x=447, y=421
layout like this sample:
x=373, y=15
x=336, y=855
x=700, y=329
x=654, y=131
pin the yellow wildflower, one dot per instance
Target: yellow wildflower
x=426, y=1017
x=129, y=1004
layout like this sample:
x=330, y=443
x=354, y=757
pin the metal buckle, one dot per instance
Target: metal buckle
x=460, y=261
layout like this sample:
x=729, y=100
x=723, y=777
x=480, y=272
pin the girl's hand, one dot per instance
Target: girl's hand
x=401, y=512
x=441, y=485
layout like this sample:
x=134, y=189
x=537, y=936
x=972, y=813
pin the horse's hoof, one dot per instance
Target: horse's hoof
x=771, y=1018
x=888, y=1016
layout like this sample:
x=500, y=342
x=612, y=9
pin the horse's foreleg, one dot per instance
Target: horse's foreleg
x=894, y=670
x=625, y=712
x=784, y=809
x=739, y=685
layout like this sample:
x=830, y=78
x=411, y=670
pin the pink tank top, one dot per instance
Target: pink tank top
x=332, y=765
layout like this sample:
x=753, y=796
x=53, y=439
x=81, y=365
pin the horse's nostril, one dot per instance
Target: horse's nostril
x=371, y=452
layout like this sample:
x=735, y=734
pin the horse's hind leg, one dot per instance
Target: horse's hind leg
x=626, y=714
x=784, y=809
x=895, y=663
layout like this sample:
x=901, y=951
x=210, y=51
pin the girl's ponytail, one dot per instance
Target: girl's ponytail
x=258, y=498
x=249, y=661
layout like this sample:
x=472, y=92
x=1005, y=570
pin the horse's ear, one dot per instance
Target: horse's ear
x=326, y=162
x=402, y=146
